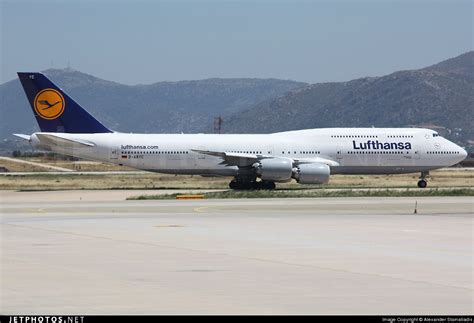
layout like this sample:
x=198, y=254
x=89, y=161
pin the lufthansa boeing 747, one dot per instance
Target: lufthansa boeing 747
x=255, y=161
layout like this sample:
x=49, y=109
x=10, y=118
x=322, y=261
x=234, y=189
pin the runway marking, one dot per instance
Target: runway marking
x=168, y=226
x=279, y=262
x=35, y=210
x=200, y=209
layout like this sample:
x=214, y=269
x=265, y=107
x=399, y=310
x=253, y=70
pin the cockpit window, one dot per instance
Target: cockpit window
x=435, y=135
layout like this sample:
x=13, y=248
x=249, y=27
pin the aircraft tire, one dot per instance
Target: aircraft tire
x=253, y=185
x=267, y=185
x=234, y=185
x=422, y=183
x=239, y=185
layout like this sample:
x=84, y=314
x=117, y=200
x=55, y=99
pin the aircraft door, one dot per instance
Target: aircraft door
x=416, y=151
x=114, y=154
x=339, y=153
x=416, y=154
x=413, y=153
x=200, y=159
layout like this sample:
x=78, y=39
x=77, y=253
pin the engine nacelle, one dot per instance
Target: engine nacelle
x=275, y=169
x=313, y=173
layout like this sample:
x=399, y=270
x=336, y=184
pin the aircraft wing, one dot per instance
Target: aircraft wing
x=246, y=160
x=323, y=160
x=233, y=159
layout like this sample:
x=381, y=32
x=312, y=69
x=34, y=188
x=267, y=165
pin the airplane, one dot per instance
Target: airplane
x=255, y=161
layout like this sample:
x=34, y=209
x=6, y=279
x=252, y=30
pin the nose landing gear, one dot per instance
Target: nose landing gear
x=422, y=183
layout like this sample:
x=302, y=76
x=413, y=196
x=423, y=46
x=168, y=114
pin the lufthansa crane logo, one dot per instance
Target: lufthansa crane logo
x=49, y=104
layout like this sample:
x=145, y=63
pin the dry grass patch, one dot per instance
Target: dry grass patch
x=142, y=180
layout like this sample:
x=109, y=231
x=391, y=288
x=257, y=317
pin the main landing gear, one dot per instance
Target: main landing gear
x=251, y=185
x=422, y=183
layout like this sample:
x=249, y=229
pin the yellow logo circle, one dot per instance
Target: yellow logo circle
x=49, y=104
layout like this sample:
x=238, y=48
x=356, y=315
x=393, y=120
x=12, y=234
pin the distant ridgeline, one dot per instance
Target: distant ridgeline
x=440, y=97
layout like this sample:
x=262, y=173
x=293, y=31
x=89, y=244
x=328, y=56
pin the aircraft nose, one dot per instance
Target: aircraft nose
x=463, y=153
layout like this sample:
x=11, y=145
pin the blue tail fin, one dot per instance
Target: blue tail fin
x=54, y=110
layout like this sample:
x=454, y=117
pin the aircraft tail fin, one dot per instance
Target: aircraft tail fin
x=54, y=110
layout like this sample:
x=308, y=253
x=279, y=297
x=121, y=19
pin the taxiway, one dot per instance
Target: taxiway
x=93, y=252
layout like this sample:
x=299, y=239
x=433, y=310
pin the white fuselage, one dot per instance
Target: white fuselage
x=354, y=150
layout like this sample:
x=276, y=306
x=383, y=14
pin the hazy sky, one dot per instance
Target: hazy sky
x=313, y=41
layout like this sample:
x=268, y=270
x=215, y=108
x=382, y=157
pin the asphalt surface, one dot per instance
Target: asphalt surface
x=92, y=252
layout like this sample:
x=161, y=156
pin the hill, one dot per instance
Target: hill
x=439, y=96
x=186, y=106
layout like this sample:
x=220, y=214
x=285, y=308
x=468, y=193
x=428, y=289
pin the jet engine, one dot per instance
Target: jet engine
x=313, y=173
x=275, y=169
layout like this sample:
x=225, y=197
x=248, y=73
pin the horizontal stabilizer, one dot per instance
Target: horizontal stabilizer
x=56, y=140
x=24, y=137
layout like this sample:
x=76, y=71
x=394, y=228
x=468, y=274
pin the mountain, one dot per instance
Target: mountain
x=439, y=96
x=186, y=106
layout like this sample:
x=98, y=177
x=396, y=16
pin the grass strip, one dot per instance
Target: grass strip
x=317, y=193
